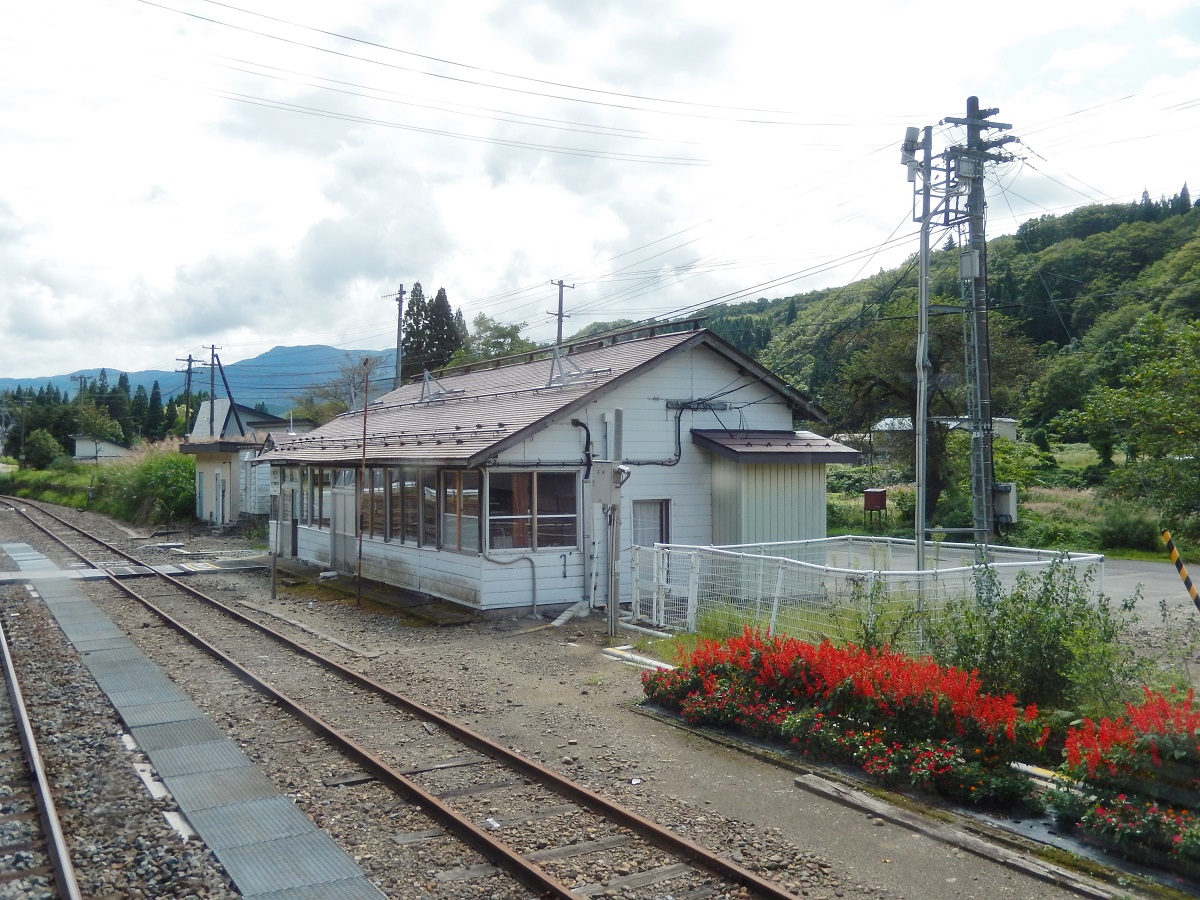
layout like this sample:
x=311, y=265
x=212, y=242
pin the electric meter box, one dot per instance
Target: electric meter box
x=602, y=482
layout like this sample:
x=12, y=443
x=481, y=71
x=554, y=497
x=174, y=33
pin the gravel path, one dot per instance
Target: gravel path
x=547, y=691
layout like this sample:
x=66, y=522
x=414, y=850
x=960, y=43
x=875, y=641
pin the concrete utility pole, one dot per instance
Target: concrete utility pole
x=187, y=395
x=399, y=334
x=560, y=314
x=920, y=172
x=212, y=391
x=958, y=175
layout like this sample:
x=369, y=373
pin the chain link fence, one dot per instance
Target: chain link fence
x=845, y=589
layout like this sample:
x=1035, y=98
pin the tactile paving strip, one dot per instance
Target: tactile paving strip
x=268, y=846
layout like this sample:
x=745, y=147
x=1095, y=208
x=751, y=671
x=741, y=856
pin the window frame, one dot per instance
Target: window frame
x=527, y=511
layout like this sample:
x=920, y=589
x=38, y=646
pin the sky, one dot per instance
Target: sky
x=187, y=174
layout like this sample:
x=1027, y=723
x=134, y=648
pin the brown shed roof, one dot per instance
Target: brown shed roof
x=468, y=418
x=774, y=446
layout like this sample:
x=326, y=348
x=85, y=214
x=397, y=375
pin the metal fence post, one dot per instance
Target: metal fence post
x=693, y=589
x=775, y=600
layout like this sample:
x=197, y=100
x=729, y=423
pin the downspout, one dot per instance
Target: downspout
x=586, y=516
x=587, y=447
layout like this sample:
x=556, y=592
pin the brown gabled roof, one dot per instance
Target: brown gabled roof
x=468, y=418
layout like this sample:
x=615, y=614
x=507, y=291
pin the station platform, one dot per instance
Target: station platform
x=268, y=846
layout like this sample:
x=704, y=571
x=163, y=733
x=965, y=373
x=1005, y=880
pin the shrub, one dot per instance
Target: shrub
x=1045, y=640
x=160, y=487
x=41, y=449
x=1127, y=526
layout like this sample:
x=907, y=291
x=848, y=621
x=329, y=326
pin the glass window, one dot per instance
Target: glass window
x=532, y=509
x=411, y=513
x=460, y=510
x=651, y=522
x=305, y=496
x=376, y=502
x=324, y=484
x=429, y=508
x=395, y=505
x=510, y=504
x=556, y=513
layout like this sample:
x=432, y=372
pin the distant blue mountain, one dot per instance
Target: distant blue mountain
x=273, y=378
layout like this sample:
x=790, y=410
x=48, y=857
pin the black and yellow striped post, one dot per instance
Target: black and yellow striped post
x=1179, y=567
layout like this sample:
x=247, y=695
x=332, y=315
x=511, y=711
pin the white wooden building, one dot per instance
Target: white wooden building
x=225, y=439
x=98, y=451
x=490, y=486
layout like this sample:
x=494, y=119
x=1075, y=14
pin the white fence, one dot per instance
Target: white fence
x=846, y=589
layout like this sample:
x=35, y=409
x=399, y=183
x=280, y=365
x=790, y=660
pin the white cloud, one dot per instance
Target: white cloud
x=168, y=192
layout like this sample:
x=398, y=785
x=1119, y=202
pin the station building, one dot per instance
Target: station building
x=494, y=485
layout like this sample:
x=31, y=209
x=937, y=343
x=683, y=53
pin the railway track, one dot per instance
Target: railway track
x=526, y=827
x=34, y=861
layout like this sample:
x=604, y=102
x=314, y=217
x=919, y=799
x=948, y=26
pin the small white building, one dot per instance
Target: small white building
x=492, y=485
x=90, y=449
x=225, y=439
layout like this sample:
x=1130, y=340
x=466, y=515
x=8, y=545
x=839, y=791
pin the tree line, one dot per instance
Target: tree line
x=42, y=424
x=1095, y=333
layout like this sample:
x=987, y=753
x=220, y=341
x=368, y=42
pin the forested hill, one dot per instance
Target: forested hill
x=1070, y=295
x=1095, y=337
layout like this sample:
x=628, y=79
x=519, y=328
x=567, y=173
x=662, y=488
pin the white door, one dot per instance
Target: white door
x=344, y=530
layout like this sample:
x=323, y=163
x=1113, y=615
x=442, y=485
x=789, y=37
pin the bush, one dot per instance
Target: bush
x=1124, y=525
x=1046, y=641
x=158, y=488
x=41, y=449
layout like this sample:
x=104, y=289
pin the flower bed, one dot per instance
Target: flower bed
x=900, y=720
x=1137, y=778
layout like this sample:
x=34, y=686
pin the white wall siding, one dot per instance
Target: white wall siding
x=470, y=579
x=708, y=496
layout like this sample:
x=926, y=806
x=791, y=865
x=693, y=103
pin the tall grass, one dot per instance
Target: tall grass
x=155, y=485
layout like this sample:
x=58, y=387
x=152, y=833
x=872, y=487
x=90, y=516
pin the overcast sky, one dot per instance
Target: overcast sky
x=183, y=173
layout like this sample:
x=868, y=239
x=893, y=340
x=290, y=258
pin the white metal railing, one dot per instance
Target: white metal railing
x=844, y=589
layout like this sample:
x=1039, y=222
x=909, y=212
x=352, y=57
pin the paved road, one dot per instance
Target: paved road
x=1158, y=581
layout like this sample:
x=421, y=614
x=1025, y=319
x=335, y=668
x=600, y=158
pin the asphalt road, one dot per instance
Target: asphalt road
x=1158, y=581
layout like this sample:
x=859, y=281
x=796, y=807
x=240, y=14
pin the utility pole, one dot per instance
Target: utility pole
x=920, y=172
x=399, y=333
x=969, y=166
x=212, y=391
x=560, y=314
x=958, y=175
x=187, y=395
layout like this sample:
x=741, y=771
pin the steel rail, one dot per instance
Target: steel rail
x=56, y=843
x=651, y=831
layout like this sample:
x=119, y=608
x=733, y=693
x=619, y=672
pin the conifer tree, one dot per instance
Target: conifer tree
x=156, y=422
x=416, y=335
